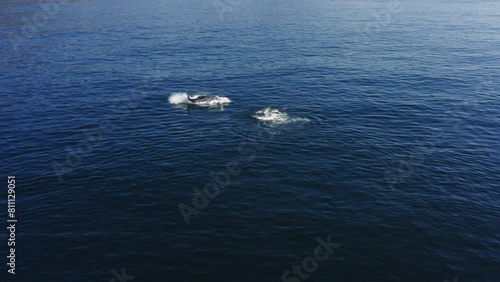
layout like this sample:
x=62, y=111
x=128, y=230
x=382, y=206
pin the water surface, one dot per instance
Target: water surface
x=395, y=152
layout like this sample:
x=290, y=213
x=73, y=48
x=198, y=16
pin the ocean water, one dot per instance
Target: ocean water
x=383, y=139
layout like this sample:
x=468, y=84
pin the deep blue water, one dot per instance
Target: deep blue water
x=396, y=155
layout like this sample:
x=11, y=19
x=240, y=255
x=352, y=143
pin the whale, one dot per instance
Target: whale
x=207, y=100
x=204, y=99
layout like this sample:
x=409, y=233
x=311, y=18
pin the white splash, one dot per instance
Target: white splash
x=178, y=98
x=276, y=116
x=269, y=114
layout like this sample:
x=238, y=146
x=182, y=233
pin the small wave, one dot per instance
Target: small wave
x=274, y=115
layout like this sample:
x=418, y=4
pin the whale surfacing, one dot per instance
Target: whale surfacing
x=182, y=98
x=207, y=100
x=201, y=99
